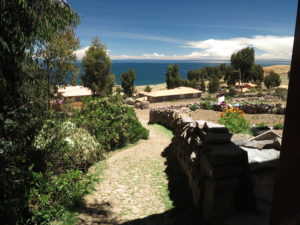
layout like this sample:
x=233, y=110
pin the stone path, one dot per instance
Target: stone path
x=134, y=184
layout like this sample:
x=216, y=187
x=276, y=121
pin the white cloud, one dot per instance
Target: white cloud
x=274, y=47
x=81, y=52
x=269, y=48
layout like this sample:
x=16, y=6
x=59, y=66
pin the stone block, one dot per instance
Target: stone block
x=200, y=123
x=217, y=138
x=214, y=128
x=222, y=154
x=226, y=184
x=229, y=170
x=262, y=159
x=269, y=135
x=130, y=101
x=217, y=205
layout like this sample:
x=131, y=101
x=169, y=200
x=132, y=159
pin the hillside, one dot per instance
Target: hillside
x=280, y=69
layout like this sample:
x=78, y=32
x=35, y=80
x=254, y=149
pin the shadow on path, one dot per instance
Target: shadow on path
x=183, y=212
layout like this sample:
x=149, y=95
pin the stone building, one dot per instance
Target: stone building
x=171, y=94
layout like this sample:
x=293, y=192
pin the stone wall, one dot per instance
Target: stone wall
x=216, y=168
x=257, y=108
x=249, y=108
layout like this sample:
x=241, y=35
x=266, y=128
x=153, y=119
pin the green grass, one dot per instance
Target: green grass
x=164, y=130
x=69, y=218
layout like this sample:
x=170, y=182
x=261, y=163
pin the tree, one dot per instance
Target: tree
x=59, y=59
x=202, y=85
x=242, y=61
x=214, y=85
x=96, y=65
x=255, y=74
x=25, y=27
x=127, y=80
x=272, y=80
x=172, y=76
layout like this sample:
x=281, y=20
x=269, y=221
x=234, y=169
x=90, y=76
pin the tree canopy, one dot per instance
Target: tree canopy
x=173, y=76
x=96, y=65
x=127, y=80
x=272, y=80
x=27, y=26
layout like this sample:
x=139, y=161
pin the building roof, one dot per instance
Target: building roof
x=283, y=86
x=75, y=91
x=171, y=92
x=244, y=84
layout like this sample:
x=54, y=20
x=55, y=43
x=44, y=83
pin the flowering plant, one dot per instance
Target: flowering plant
x=233, y=118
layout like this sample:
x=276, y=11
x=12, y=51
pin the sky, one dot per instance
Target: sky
x=187, y=29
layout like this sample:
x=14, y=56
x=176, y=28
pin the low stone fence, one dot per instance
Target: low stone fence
x=256, y=108
x=249, y=108
x=217, y=169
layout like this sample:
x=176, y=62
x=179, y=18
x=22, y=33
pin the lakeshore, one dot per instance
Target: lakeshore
x=282, y=70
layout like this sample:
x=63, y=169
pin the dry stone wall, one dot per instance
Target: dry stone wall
x=257, y=108
x=216, y=168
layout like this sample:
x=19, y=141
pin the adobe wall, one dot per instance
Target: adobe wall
x=216, y=168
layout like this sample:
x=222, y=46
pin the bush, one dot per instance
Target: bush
x=194, y=107
x=233, y=118
x=111, y=122
x=207, y=105
x=148, y=89
x=67, y=147
x=278, y=126
x=118, y=90
x=52, y=196
x=272, y=80
x=261, y=125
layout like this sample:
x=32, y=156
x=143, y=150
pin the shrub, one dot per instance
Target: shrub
x=272, y=80
x=233, y=118
x=111, y=122
x=52, y=196
x=67, y=147
x=207, y=103
x=261, y=125
x=194, y=107
x=148, y=89
x=118, y=90
x=278, y=126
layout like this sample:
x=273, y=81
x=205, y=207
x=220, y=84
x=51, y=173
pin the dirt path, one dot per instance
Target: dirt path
x=134, y=183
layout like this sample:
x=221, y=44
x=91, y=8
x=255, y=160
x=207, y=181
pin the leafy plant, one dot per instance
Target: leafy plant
x=148, y=89
x=194, y=107
x=233, y=118
x=67, y=147
x=112, y=122
x=272, y=80
x=51, y=196
x=278, y=126
x=261, y=125
x=207, y=104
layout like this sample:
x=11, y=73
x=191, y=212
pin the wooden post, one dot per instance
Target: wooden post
x=286, y=194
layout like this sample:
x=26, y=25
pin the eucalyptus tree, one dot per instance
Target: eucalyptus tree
x=127, y=80
x=173, y=76
x=96, y=65
x=27, y=26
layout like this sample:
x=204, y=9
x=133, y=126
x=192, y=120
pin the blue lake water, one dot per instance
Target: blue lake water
x=153, y=72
